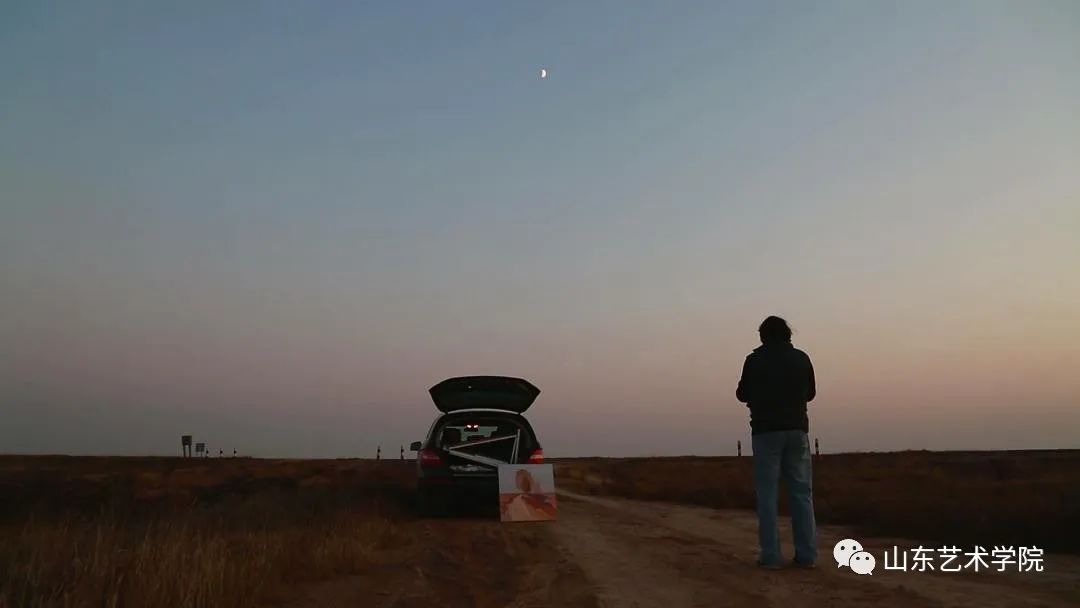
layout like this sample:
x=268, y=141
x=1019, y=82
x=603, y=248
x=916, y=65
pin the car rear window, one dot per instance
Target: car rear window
x=464, y=429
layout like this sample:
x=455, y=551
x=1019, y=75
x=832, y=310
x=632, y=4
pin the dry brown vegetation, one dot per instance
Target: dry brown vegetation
x=235, y=532
x=175, y=532
x=239, y=532
x=968, y=498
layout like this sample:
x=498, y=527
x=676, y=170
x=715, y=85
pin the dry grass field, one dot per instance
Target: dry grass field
x=1022, y=498
x=235, y=533
x=121, y=532
x=157, y=532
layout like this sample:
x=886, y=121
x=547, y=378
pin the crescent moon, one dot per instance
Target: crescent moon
x=543, y=73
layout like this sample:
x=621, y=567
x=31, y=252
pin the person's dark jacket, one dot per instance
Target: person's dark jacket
x=777, y=382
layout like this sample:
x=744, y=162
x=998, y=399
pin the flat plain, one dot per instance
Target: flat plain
x=115, y=531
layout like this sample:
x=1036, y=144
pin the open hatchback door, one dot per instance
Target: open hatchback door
x=494, y=392
x=482, y=422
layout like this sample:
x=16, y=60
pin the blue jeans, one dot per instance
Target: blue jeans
x=787, y=454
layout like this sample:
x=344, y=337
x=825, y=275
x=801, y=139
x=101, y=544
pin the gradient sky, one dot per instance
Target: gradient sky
x=275, y=225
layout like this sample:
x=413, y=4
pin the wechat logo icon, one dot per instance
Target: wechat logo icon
x=849, y=552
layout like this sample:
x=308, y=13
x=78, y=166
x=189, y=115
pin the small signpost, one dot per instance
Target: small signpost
x=200, y=448
x=185, y=445
x=738, y=446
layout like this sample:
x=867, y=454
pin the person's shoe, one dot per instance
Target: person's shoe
x=768, y=566
x=803, y=565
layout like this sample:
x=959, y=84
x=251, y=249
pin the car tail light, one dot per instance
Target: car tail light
x=537, y=457
x=430, y=458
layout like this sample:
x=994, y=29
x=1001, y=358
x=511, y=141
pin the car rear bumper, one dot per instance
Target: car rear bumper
x=459, y=484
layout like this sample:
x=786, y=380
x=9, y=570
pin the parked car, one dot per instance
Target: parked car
x=480, y=426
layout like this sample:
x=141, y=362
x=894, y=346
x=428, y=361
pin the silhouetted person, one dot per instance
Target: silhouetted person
x=777, y=382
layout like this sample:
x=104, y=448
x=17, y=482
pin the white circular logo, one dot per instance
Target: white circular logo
x=844, y=549
x=862, y=563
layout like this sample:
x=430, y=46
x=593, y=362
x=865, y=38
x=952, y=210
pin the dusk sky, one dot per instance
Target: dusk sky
x=276, y=225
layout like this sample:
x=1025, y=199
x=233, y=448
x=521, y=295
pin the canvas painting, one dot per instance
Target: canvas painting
x=527, y=492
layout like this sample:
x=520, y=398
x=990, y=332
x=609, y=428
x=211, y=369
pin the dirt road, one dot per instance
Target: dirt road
x=622, y=553
x=650, y=554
